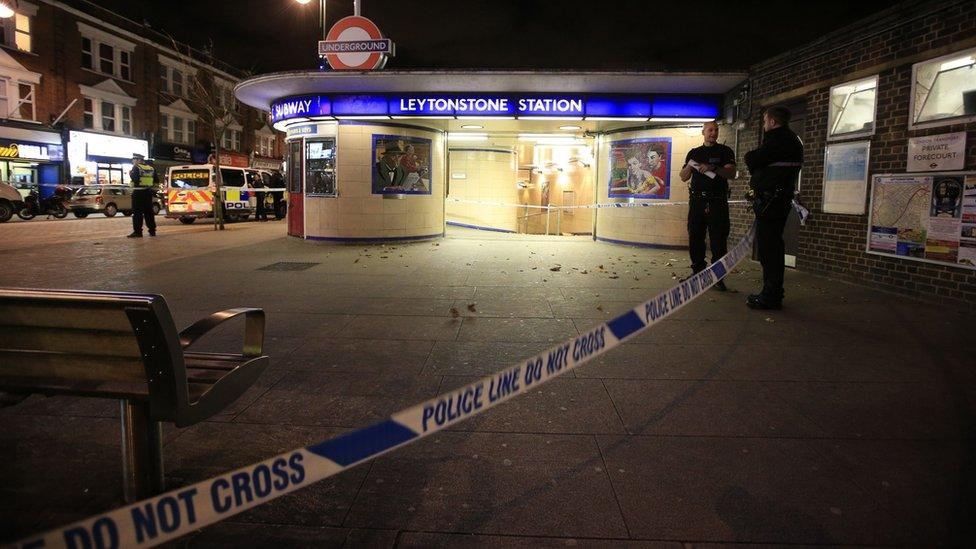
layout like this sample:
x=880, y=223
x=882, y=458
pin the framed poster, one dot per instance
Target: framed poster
x=845, y=187
x=401, y=164
x=640, y=168
x=924, y=217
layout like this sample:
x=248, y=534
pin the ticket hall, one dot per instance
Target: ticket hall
x=394, y=155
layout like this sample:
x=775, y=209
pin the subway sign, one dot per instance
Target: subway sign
x=500, y=105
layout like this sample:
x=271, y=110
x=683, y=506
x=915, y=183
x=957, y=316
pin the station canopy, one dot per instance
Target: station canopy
x=492, y=101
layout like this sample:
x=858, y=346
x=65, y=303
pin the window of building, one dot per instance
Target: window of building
x=15, y=32
x=16, y=99
x=105, y=53
x=89, y=113
x=177, y=82
x=852, y=109
x=177, y=129
x=944, y=90
x=225, y=94
x=107, y=116
x=106, y=58
x=231, y=140
x=86, y=53
x=264, y=144
x=126, y=120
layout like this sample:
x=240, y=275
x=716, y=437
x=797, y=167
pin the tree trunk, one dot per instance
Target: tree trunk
x=219, y=194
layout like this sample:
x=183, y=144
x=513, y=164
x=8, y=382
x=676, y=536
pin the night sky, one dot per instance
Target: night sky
x=277, y=35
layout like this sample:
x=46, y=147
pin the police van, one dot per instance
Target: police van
x=190, y=189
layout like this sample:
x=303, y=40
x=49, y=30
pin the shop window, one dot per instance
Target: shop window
x=944, y=90
x=15, y=32
x=89, y=113
x=852, y=109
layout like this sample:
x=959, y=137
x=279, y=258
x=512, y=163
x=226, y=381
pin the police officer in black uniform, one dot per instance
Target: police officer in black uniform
x=144, y=179
x=775, y=167
x=709, y=168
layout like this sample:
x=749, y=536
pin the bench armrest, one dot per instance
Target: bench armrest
x=253, y=329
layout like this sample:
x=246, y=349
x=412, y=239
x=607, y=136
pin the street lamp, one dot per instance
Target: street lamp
x=5, y=11
x=321, y=13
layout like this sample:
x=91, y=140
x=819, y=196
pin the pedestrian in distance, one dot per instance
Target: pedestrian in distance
x=708, y=169
x=143, y=178
x=775, y=168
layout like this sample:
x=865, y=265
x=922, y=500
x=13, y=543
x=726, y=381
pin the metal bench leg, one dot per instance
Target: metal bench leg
x=142, y=452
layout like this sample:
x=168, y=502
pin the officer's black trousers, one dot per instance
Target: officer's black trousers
x=715, y=222
x=142, y=209
x=260, y=214
x=769, y=239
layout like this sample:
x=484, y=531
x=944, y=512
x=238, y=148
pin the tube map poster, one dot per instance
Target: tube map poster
x=928, y=217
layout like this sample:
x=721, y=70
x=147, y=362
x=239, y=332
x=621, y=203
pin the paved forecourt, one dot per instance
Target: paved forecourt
x=829, y=422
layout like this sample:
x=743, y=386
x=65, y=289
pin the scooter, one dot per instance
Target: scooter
x=52, y=205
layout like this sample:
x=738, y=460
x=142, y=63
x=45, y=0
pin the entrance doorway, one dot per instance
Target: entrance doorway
x=522, y=177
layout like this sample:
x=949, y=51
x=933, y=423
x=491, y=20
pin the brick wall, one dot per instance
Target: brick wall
x=887, y=45
x=56, y=56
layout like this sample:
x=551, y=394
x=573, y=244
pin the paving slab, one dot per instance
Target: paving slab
x=492, y=483
x=742, y=490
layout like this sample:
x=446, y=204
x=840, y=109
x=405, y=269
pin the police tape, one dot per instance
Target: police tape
x=579, y=206
x=161, y=518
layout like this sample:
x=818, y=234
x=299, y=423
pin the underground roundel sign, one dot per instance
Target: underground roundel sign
x=355, y=44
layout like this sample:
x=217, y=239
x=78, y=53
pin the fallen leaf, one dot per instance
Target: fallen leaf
x=768, y=319
x=668, y=264
x=599, y=308
x=471, y=307
x=674, y=276
x=556, y=268
x=583, y=271
x=357, y=260
x=614, y=276
x=455, y=313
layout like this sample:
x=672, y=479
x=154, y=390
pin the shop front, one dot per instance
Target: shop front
x=400, y=155
x=102, y=159
x=30, y=157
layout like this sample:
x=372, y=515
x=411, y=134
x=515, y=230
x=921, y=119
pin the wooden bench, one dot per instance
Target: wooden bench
x=125, y=346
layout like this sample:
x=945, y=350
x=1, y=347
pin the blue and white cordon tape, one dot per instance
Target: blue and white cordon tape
x=178, y=512
x=579, y=206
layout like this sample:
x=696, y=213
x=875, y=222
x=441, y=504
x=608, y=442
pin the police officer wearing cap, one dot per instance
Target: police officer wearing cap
x=775, y=168
x=143, y=177
x=709, y=168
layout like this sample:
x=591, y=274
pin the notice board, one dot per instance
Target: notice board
x=928, y=217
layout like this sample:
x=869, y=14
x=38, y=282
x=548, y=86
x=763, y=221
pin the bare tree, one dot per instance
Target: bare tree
x=212, y=103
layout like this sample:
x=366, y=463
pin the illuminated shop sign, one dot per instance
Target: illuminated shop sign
x=488, y=105
x=30, y=151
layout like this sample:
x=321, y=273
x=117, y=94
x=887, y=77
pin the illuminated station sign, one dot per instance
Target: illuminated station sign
x=634, y=107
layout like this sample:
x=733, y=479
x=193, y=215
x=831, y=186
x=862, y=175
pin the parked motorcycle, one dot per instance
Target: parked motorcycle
x=52, y=205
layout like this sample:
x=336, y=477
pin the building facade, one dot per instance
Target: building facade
x=905, y=75
x=82, y=88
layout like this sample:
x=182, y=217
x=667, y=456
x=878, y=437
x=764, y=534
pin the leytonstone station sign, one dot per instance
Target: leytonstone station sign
x=523, y=105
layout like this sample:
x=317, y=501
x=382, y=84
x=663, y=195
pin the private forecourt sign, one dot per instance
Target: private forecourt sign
x=178, y=512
